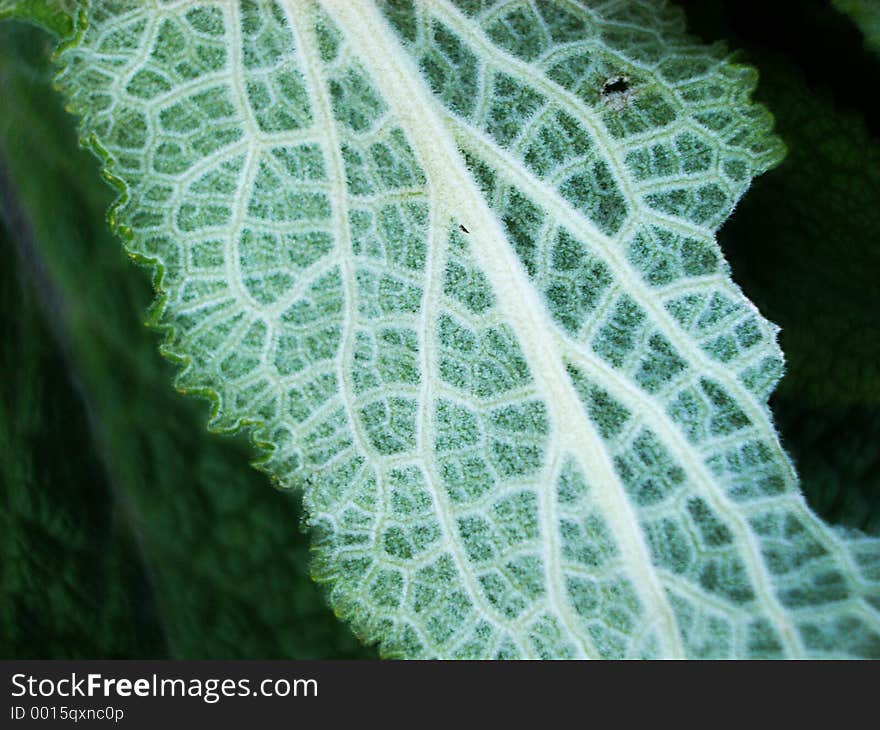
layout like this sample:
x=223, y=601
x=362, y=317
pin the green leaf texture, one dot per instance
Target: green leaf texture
x=818, y=281
x=126, y=530
x=454, y=265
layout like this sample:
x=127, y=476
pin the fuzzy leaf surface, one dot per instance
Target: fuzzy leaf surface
x=455, y=265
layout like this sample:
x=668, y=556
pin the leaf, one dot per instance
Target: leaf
x=132, y=532
x=454, y=265
x=72, y=582
x=818, y=283
x=817, y=279
x=866, y=15
x=56, y=16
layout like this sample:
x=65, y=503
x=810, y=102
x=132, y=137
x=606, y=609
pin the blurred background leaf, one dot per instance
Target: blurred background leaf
x=129, y=530
x=866, y=15
x=71, y=576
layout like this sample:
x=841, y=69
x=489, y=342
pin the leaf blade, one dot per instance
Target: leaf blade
x=659, y=416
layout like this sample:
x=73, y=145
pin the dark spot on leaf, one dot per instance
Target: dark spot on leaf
x=616, y=85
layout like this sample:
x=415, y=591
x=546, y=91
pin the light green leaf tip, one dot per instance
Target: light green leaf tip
x=454, y=265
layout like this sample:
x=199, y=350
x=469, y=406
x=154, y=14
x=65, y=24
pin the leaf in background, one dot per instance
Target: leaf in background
x=71, y=579
x=866, y=15
x=226, y=559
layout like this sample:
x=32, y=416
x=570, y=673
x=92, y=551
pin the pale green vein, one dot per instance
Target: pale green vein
x=302, y=24
x=454, y=189
x=610, y=247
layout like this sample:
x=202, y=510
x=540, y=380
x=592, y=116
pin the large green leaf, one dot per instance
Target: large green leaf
x=455, y=266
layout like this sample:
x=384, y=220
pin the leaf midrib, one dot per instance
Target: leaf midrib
x=653, y=413
x=452, y=186
x=662, y=426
